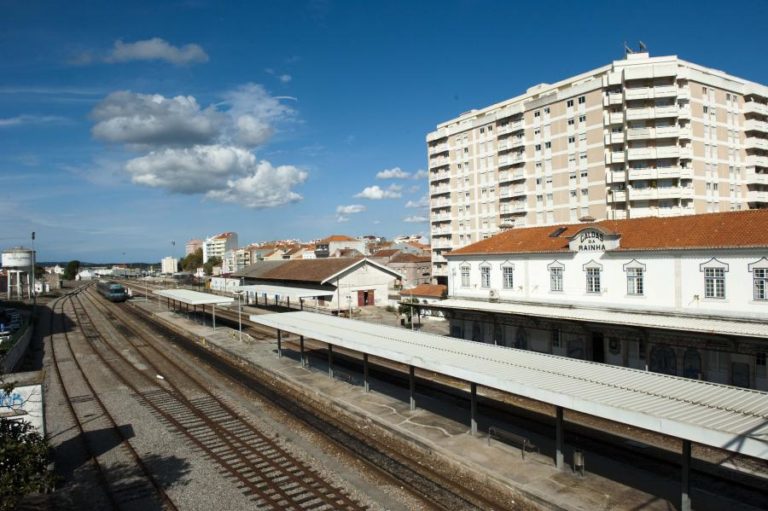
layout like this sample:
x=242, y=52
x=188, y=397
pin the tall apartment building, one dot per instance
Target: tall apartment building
x=643, y=136
x=217, y=246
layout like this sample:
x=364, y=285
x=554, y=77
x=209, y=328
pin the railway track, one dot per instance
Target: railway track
x=136, y=487
x=260, y=466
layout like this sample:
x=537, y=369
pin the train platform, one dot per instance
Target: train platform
x=443, y=428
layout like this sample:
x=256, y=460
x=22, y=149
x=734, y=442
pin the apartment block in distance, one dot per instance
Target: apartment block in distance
x=642, y=136
x=217, y=246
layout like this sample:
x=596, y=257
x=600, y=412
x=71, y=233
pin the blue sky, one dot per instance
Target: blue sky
x=126, y=126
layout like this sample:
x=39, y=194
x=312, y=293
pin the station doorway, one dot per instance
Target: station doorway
x=365, y=298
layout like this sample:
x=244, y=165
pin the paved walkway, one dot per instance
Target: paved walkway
x=444, y=429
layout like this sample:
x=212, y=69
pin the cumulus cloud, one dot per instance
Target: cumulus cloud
x=343, y=212
x=423, y=202
x=420, y=174
x=224, y=173
x=156, y=49
x=416, y=219
x=395, y=173
x=194, y=150
x=142, y=120
x=377, y=193
x=286, y=78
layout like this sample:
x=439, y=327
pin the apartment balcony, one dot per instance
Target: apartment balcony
x=754, y=160
x=664, y=91
x=512, y=191
x=684, y=132
x=684, y=112
x=666, y=111
x=439, y=272
x=511, y=159
x=440, y=232
x=439, y=190
x=639, y=133
x=756, y=178
x=615, y=118
x=439, y=148
x=756, y=125
x=634, y=114
x=671, y=151
x=667, y=131
x=757, y=196
x=641, y=153
x=435, y=163
x=517, y=142
x=618, y=214
x=617, y=195
x=756, y=143
x=686, y=153
x=439, y=259
x=437, y=135
x=441, y=217
x=439, y=176
x=613, y=99
x=617, y=157
x=684, y=93
x=614, y=138
x=753, y=107
x=616, y=176
x=667, y=192
x=440, y=203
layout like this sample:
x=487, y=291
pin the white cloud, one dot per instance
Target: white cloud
x=143, y=120
x=194, y=150
x=224, y=173
x=30, y=119
x=286, y=78
x=415, y=219
x=267, y=187
x=254, y=112
x=155, y=49
x=423, y=202
x=351, y=209
x=394, y=173
x=377, y=193
x=420, y=174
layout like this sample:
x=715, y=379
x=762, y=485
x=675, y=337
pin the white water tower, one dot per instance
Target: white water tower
x=19, y=264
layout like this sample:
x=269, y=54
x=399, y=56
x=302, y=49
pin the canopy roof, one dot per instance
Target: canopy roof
x=717, y=415
x=193, y=297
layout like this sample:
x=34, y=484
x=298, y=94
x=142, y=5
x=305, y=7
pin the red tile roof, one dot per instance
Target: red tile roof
x=427, y=290
x=736, y=229
x=410, y=258
x=336, y=237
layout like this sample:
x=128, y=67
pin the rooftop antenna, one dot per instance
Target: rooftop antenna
x=643, y=47
x=627, y=49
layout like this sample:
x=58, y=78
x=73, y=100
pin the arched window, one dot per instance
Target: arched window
x=663, y=360
x=692, y=363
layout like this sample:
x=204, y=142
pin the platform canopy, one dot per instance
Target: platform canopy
x=747, y=327
x=193, y=297
x=286, y=291
x=707, y=413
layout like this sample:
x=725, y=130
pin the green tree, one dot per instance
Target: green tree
x=208, y=266
x=71, y=270
x=23, y=459
x=192, y=261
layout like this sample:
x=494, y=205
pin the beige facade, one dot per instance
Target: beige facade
x=643, y=136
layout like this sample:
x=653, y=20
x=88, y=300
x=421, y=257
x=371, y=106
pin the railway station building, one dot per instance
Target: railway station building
x=685, y=296
x=328, y=284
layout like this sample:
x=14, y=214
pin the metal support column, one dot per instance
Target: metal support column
x=301, y=303
x=412, y=387
x=559, y=437
x=685, y=497
x=366, y=384
x=279, y=343
x=213, y=305
x=330, y=360
x=473, y=407
x=301, y=351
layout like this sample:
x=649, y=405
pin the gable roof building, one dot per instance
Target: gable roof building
x=686, y=295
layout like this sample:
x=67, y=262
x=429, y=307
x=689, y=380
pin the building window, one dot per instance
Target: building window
x=760, y=280
x=569, y=102
x=508, y=277
x=465, y=276
x=582, y=100
x=714, y=282
x=570, y=122
x=582, y=118
x=593, y=280
x=556, y=279
x=635, y=281
x=485, y=276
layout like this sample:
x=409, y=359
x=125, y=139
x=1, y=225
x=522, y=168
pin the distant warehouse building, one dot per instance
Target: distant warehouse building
x=686, y=296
